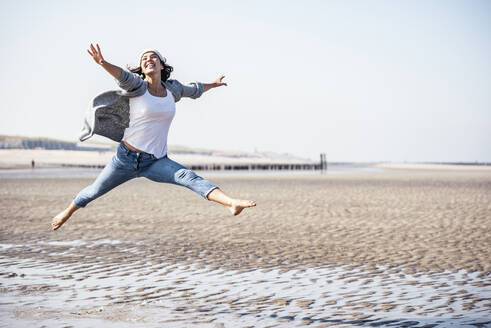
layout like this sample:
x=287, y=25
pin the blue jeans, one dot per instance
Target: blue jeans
x=128, y=164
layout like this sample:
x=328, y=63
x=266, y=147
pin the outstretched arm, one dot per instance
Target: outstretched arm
x=217, y=83
x=96, y=54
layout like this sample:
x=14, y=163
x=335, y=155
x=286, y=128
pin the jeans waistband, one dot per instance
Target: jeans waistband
x=131, y=151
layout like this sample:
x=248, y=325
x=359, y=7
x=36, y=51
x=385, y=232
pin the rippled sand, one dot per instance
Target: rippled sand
x=408, y=248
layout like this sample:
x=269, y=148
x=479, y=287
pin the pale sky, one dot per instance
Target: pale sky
x=358, y=80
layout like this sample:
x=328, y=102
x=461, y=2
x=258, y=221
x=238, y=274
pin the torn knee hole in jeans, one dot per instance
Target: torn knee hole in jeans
x=186, y=174
x=182, y=173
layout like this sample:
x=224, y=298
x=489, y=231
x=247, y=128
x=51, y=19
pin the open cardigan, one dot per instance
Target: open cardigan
x=109, y=113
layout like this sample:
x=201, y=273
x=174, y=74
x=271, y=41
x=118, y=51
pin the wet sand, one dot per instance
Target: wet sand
x=395, y=247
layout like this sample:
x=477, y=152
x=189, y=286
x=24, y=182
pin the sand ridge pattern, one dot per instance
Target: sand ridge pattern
x=332, y=250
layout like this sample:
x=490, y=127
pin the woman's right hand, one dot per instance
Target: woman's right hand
x=96, y=54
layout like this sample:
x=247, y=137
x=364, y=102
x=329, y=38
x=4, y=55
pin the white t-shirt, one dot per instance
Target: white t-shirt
x=150, y=119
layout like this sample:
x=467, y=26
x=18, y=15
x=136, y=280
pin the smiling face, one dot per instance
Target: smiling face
x=150, y=63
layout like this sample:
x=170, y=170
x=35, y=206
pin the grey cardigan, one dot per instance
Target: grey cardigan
x=109, y=113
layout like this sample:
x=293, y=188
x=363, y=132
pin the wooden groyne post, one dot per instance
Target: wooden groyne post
x=323, y=163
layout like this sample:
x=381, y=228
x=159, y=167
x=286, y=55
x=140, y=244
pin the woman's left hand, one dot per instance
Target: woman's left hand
x=218, y=82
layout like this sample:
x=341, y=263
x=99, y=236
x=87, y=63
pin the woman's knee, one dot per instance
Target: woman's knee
x=87, y=195
x=98, y=188
x=185, y=176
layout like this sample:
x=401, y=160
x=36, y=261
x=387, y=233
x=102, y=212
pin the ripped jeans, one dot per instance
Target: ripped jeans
x=128, y=164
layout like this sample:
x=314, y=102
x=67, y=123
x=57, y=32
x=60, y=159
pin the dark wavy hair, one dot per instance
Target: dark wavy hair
x=164, y=73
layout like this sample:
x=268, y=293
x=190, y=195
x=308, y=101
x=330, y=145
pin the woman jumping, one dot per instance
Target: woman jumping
x=139, y=118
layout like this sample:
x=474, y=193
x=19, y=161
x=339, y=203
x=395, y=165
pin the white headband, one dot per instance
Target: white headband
x=151, y=50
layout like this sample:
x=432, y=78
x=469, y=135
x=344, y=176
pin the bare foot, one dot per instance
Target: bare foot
x=59, y=220
x=238, y=205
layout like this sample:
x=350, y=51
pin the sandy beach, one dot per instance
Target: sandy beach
x=401, y=247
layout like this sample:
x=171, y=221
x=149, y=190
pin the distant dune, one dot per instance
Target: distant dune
x=18, y=151
x=18, y=158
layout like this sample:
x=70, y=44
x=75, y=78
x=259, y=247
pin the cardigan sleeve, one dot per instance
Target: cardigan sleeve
x=129, y=81
x=191, y=90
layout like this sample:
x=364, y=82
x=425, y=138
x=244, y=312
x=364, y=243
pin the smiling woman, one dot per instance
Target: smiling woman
x=139, y=117
x=148, y=58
